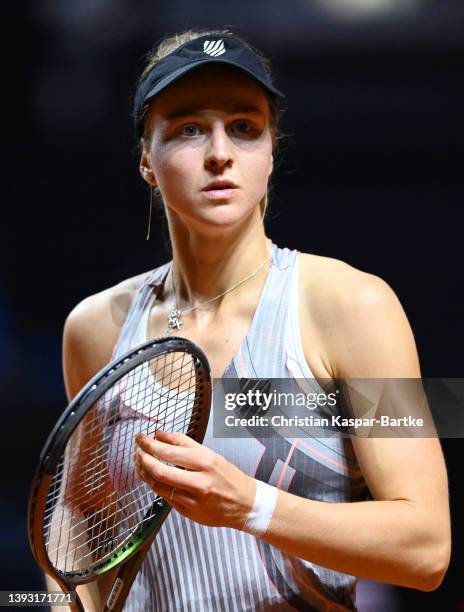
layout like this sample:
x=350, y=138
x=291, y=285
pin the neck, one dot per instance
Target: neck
x=208, y=263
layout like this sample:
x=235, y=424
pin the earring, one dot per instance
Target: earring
x=150, y=208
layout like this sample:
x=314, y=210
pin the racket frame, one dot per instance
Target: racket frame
x=55, y=446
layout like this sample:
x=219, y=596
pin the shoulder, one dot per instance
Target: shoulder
x=107, y=308
x=360, y=317
x=92, y=329
x=333, y=286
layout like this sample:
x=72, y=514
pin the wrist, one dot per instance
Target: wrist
x=258, y=519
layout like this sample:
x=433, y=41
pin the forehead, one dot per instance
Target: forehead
x=212, y=86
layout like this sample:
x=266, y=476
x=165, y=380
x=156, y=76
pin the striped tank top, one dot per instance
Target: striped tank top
x=197, y=568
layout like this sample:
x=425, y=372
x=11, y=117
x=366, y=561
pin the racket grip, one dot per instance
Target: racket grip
x=77, y=607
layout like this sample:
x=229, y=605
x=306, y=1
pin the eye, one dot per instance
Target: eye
x=242, y=126
x=190, y=130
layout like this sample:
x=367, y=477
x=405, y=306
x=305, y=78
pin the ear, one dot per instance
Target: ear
x=272, y=165
x=146, y=170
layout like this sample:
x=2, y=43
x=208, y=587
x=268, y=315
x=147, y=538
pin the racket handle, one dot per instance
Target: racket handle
x=77, y=606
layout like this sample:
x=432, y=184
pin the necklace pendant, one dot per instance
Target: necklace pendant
x=174, y=321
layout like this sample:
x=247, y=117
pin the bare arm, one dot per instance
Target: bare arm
x=403, y=536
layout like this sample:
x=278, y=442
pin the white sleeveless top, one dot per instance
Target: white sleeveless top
x=198, y=568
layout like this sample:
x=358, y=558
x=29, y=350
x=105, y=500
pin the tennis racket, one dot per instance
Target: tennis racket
x=89, y=513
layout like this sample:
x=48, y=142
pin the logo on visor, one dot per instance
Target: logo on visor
x=214, y=47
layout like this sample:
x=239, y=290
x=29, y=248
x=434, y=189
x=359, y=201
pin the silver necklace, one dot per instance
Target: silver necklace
x=174, y=318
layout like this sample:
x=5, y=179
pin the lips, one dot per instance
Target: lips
x=220, y=190
x=220, y=185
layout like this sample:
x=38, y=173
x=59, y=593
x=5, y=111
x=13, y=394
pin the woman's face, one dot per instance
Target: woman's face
x=210, y=146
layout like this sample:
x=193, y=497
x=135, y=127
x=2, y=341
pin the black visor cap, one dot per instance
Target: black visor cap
x=191, y=55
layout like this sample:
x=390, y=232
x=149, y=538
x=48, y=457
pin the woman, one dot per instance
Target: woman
x=206, y=115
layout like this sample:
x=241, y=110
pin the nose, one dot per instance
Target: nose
x=218, y=153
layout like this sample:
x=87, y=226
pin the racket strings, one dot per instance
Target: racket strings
x=122, y=508
x=96, y=456
x=90, y=474
x=97, y=479
x=96, y=502
x=88, y=526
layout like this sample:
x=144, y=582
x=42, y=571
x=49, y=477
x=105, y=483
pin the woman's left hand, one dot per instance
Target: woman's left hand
x=209, y=490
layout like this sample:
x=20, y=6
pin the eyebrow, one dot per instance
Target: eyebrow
x=236, y=110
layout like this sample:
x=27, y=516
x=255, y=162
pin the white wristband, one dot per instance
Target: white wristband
x=257, y=522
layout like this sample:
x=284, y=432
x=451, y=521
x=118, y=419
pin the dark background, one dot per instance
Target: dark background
x=370, y=173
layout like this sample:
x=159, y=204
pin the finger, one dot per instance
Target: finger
x=166, y=474
x=180, y=496
x=177, y=438
x=143, y=475
x=187, y=457
x=184, y=498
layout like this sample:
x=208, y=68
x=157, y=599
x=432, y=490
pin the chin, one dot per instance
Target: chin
x=225, y=214
x=221, y=213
